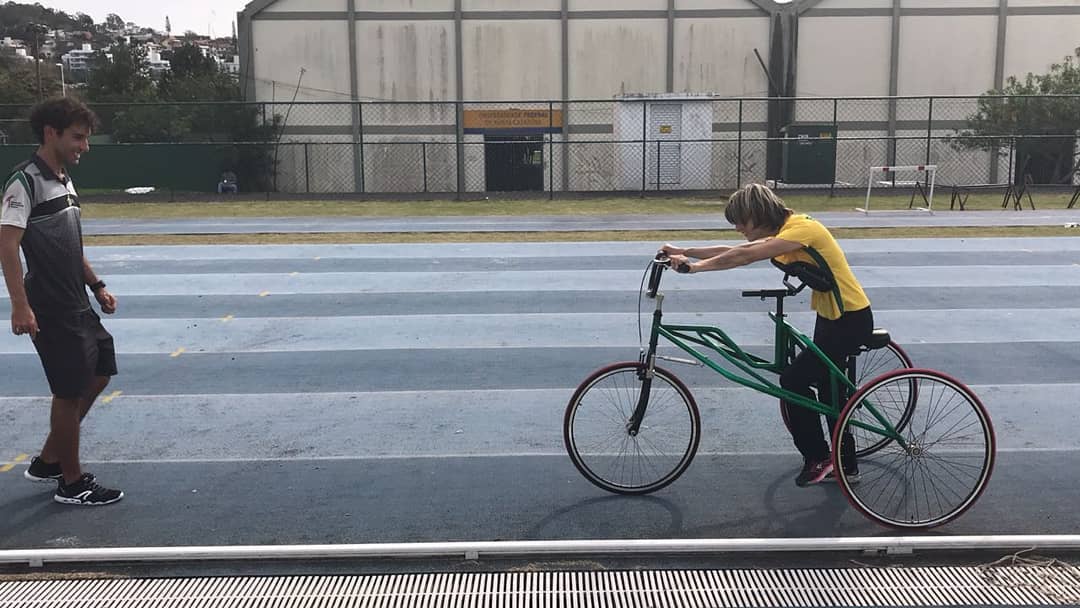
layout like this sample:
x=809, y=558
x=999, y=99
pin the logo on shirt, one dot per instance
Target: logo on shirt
x=12, y=203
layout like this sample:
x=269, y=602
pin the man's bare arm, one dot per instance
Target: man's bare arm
x=10, y=239
x=22, y=317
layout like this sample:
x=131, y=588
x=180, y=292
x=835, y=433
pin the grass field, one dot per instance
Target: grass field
x=228, y=207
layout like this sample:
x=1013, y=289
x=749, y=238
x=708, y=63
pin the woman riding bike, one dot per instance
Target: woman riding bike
x=797, y=244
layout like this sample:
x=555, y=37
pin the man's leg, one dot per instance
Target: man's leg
x=75, y=486
x=62, y=444
x=97, y=385
x=54, y=444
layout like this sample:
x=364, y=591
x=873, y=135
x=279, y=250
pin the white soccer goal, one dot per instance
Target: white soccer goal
x=924, y=187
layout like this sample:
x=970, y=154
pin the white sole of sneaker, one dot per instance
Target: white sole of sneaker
x=78, y=501
x=36, y=479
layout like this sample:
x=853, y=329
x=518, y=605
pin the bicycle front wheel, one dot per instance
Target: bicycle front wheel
x=596, y=429
x=945, y=463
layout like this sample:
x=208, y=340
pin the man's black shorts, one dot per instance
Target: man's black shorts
x=74, y=348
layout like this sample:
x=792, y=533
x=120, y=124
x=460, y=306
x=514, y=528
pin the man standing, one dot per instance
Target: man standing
x=40, y=213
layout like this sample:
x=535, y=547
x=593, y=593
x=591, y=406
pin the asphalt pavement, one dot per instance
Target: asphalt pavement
x=368, y=393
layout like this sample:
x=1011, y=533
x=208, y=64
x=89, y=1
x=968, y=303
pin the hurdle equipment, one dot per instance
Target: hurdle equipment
x=925, y=187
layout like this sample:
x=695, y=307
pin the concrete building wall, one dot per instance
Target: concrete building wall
x=285, y=6
x=510, y=5
x=511, y=60
x=717, y=56
x=1035, y=42
x=843, y=56
x=515, y=50
x=947, y=55
x=282, y=49
x=406, y=60
x=613, y=5
x=410, y=5
x=616, y=57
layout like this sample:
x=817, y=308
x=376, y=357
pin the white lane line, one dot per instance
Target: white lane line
x=552, y=330
x=791, y=453
x=469, y=392
x=466, y=281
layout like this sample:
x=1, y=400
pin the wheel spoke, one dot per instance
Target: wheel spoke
x=894, y=404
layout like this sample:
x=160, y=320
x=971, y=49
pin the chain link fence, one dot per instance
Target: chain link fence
x=631, y=144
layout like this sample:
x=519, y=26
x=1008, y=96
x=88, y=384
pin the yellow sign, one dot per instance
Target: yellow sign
x=665, y=128
x=511, y=120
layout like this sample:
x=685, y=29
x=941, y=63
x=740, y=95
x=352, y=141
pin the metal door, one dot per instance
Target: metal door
x=664, y=144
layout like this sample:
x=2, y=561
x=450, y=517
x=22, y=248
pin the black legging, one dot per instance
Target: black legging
x=837, y=339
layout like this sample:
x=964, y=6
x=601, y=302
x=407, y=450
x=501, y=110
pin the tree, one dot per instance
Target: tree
x=84, y=22
x=189, y=61
x=114, y=22
x=126, y=78
x=15, y=17
x=1041, y=109
x=18, y=82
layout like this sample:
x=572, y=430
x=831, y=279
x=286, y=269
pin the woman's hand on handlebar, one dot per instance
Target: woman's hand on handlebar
x=679, y=263
x=670, y=249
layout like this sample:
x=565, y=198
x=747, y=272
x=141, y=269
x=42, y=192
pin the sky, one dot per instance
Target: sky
x=197, y=15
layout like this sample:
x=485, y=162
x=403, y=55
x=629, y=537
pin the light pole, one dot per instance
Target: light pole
x=63, y=85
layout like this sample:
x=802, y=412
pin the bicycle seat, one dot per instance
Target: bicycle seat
x=878, y=339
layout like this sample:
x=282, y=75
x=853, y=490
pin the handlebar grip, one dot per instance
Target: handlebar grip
x=654, y=277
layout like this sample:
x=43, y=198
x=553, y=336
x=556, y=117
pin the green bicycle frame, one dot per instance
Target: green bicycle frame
x=749, y=365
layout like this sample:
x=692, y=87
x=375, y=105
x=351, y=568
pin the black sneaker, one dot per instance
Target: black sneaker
x=851, y=474
x=40, y=471
x=85, y=491
x=813, y=472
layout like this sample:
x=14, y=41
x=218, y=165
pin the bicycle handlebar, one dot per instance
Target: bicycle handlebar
x=661, y=261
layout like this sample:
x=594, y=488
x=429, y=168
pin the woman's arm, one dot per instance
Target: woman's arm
x=749, y=253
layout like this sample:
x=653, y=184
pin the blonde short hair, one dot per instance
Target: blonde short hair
x=759, y=205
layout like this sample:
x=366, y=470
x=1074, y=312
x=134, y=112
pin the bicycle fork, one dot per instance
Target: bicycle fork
x=646, y=372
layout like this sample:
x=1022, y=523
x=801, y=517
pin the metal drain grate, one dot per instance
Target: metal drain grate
x=969, y=586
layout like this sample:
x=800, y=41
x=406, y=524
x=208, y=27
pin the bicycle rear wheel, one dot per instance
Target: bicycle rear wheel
x=946, y=464
x=598, y=439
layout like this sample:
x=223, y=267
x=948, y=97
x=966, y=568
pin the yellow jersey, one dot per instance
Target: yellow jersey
x=808, y=232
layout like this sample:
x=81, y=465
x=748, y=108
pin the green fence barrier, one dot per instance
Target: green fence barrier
x=178, y=167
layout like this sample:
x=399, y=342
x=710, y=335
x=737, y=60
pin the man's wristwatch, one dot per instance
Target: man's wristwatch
x=96, y=286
